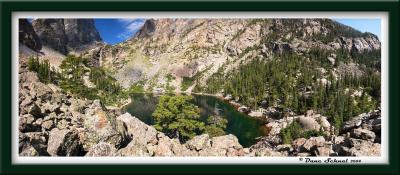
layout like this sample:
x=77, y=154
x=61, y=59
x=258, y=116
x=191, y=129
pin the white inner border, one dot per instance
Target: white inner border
x=383, y=159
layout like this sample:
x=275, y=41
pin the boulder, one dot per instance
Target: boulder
x=181, y=150
x=164, y=146
x=101, y=149
x=51, y=107
x=137, y=130
x=298, y=143
x=363, y=134
x=78, y=105
x=255, y=114
x=100, y=127
x=63, y=143
x=35, y=111
x=212, y=152
x=313, y=143
x=27, y=123
x=40, y=91
x=48, y=125
x=360, y=147
x=232, y=152
x=28, y=151
x=37, y=140
x=303, y=154
x=309, y=123
x=269, y=153
x=324, y=151
x=134, y=150
x=285, y=147
x=199, y=142
x=357, y=121
x=225, y=142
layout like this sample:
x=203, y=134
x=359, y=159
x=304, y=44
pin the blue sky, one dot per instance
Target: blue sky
x=114, y=31
x=364, y=25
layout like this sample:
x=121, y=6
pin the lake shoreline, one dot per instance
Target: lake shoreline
x=235, y=104
x=246, y=128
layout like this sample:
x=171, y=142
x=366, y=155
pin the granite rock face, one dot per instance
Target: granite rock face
x=67, y=35
x=81, y=33
x=51, y=33
x=28, y=36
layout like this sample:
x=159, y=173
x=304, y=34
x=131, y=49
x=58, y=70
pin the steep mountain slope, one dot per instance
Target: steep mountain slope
x=190, y=50
x=68, y=35
x=28, y=36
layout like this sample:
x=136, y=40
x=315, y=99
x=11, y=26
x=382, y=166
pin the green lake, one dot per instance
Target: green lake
x=245, y=128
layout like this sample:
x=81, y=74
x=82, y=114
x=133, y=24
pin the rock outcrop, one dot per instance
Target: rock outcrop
x=68, y=35
x=51, y=33
x=28, y=36
x=81, y=34
x=359, y=138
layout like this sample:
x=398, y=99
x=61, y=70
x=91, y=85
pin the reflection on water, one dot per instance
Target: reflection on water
x=246, y=129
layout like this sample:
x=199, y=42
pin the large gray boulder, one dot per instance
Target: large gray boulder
x=101, y=149
x=199, y=142
x=359, y=147
x=313, y=143
x=309, y=123
x=33, y=140
x=99, y=126
x=363, y=134
x=63, y=143
x=225, y=142
x=137, y=130
x=133, y=149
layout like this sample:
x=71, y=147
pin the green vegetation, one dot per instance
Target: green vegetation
x=72, y=70
x=294, y=131
x=169, y=89
x=178, y=118
x=42, y=68
x=70, y=78
x=292, y=82
x=216, y=126
x=136, y=88
x=189, y=81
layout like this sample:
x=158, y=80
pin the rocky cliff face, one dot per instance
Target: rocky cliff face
x=68, y=35
x=51, y=33
x=185, y=47
x=28, y=36
x=81, y=33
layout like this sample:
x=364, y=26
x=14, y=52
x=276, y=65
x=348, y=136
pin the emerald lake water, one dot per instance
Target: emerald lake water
x=245, y=128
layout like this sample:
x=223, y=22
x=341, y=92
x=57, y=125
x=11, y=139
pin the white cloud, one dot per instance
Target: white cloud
x=131, y=26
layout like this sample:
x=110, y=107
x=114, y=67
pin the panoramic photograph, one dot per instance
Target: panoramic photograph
x=199, y=87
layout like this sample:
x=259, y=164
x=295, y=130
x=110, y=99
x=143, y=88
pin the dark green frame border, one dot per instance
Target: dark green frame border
x=5, y=152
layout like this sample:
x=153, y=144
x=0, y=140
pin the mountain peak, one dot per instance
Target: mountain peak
x=67, y=35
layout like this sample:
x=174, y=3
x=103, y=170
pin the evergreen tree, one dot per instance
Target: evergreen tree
x=177, y=117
